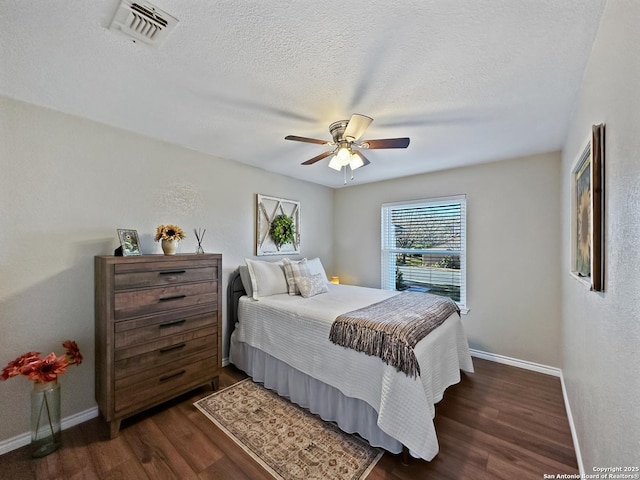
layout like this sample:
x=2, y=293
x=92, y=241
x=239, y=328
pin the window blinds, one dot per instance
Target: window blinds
x=424, y=246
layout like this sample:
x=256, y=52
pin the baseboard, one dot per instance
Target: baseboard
x=572, y=426
x=67, y=422
x=514, y=362
x=536, y=367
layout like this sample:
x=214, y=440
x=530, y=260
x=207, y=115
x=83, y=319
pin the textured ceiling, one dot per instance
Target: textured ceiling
x=468, y=81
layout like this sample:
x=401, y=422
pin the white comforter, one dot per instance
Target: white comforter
x=296, y=330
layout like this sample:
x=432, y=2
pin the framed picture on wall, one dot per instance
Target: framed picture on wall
x=277, y=226
x=129, y=242
x=587, y=200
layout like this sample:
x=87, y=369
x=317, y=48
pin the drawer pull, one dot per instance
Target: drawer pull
x=174, y=297
x=173, y=375
x=173, y=272
x=172, y=324
x=177, y=346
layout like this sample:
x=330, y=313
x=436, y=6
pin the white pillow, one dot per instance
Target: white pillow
x=292, y=270
x=267, y=278
x=314, y=267
x=312, y=285
x=245, y=278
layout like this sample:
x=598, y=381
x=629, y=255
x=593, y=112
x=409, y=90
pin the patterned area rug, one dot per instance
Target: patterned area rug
x=287, y=440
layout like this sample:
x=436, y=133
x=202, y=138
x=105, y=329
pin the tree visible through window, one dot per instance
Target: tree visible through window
x=423, y=247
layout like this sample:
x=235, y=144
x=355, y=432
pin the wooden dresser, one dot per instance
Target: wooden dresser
x=157, y=330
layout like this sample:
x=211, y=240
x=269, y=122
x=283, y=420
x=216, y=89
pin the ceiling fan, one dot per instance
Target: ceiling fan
x=346, y=135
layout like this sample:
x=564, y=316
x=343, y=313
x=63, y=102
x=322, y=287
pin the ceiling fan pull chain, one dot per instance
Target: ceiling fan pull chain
x=345, y=175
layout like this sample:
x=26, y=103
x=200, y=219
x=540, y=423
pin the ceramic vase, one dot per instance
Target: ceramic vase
x=169, y=247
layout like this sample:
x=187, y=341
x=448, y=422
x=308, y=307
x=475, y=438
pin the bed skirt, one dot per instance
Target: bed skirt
x=352, y=415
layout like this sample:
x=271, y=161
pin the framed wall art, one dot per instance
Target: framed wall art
x=277, y=226
x=129, y=243
x=587, y=200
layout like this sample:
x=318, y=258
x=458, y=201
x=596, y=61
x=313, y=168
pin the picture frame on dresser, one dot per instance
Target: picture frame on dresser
x=129, y=242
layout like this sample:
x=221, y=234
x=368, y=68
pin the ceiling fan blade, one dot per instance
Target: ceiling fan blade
x=318, y=158
x=364, y=159
x=386, y=143
x=356, y=126
x=305, y=139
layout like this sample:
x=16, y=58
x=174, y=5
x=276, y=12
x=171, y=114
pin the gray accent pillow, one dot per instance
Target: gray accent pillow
x=312, y=285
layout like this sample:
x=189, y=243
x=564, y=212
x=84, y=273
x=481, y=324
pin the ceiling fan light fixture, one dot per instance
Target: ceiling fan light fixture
x=344, y=156
x=335, y=163
x=356, y=162
x=346, y=146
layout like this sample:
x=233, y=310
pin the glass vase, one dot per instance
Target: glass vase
x=45, y=418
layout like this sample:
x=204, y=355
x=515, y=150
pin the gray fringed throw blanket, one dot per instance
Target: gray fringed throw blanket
x=391, y=328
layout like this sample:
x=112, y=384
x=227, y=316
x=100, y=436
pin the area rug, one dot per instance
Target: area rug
x=287, y=440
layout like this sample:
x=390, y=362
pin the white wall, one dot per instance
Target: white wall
x=513, y=286
x=601, y=348
x=66, y=185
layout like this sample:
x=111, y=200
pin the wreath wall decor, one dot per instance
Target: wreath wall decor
x=277, y=226
x=282, y=230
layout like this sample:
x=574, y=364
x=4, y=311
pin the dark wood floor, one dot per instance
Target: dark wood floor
x=499, y=423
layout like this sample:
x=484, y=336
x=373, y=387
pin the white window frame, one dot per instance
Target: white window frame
x=388, y=251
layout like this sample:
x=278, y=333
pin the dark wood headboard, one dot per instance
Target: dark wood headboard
x=234, y=291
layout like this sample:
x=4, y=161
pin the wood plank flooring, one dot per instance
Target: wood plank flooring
x=501, y=422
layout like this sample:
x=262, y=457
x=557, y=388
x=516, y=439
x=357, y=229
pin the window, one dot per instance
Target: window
x=424, y=247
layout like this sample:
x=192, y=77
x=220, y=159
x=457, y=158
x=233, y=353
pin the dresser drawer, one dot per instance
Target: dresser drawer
x=148, y=329
x=195, y=345
x=161, y=274
x=135, y=303
x=135, y=350
x=165, y=383
x=162, y=373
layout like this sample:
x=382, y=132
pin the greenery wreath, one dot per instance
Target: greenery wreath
x=282, y=230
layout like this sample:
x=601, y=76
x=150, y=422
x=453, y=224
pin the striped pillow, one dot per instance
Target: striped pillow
x=292, y=271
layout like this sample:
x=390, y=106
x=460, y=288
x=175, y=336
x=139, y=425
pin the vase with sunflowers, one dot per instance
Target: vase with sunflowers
x=45, y=396
x=170, y=236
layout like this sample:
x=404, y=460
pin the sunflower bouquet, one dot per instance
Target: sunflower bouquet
x=169, y=232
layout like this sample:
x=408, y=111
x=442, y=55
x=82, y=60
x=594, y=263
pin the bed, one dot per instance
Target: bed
x=282, y=341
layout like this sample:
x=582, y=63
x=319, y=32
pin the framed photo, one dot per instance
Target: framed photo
x=129, y=242
x=587, y=191
x=277, y=226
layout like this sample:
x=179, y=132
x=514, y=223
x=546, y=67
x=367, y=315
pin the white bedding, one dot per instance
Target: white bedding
x=295, y=330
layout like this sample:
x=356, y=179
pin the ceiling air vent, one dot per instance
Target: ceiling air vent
x=143, y=22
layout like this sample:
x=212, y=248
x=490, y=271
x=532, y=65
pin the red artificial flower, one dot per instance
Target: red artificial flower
x=47, y=369
x=73, y=352
x=14, y=368
x=43, y=369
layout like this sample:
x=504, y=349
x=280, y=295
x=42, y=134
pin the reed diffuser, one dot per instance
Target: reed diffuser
x=199, y=236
